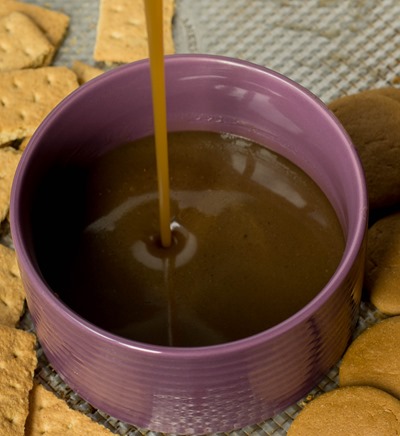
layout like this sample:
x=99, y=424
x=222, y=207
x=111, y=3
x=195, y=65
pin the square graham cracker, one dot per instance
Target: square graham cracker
x=27, y=96
x=85, y=72
x=24, y=143
x=9, y=159
x=22, y=43
x=122, y=34
x=17, y=365
x=51, y=416
x=12, y=294
x=54, y=24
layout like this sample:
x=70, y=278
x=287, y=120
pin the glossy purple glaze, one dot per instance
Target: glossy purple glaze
x=219, y=388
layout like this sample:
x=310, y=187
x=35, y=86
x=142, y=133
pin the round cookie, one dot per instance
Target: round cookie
x=389, y=91
x=382, y=275
x=354, y=410
x=373, y=359
x=372, y=121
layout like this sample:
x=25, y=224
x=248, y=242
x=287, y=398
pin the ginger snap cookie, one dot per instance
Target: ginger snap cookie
x=372, y=120
x=389, y=91
x=354, y=410
x=373, y=359
x=382, y=275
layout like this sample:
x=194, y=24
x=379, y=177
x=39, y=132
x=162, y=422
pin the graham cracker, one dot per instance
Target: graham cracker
x=9, y=159
x=12, y=294
x=54, y=24
x=27, y=96
x=122, y=34
x=85, y=72
x=17, y=364
x=51, y=416
x=23, y=144
x=22, y=43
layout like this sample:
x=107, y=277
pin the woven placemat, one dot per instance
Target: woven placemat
x=332, y=48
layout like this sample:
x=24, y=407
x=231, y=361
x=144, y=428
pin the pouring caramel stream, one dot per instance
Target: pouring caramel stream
x=154, y=22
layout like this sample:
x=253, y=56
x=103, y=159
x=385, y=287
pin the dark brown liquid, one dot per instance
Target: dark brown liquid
x=254, y=241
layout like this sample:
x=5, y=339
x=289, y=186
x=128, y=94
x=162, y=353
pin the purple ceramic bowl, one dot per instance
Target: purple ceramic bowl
x=221, y=387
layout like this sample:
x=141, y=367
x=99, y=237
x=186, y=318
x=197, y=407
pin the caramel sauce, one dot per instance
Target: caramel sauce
x=253, y=240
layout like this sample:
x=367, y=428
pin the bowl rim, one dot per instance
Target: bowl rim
x=352, y=247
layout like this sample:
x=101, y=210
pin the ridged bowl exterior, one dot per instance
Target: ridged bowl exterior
x=206, y=389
